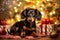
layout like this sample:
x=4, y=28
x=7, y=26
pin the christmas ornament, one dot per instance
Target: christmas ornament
x=44, y=25
x=3, y=27
x=30, y=3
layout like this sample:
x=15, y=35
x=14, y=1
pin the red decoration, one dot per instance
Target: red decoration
x=30, y=3
x=3, y=24
x=45, y=22
x=46, y=11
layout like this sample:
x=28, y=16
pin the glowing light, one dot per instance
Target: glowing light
x=17, y=17
x=10, y=12
x=33, y=6
x=12, y=20
x=41, y=8
x=19, y=3
x=55, y=22
x=42, y=5
x=8, y=22
x=47, y=0
x=42, y=14
x=49, y=4
x=15, y=9
x=37, y=3
x=51, y=13
x=27, y=0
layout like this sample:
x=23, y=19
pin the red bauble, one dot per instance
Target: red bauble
x=46, y=21
x=30, y=3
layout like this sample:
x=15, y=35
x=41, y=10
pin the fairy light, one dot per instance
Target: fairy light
x=8, y=21
x=19, y=3
x=27, y=0
x=33, y=6
x=17, y=17
x=42, y=5
x=49, y=4
x=37, y=3
x=41, y=8
x=42, y=14
x=15, y=9
x=47, y=0
x=51, y=13
x=12, y=20
x=55, y=22
x=10, y=12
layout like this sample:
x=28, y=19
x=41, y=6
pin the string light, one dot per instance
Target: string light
x=47, y=0
x=17, y=17
x=8, y=21
x=42, y=5
x=15, y=9
x=12, y=20
x=37, y=3
x=55, y=22
x=33, y=6
x=51, y=13
x=42, y=14
x=19, y=3
x=10, y=12
x=41, y=8
x=27, y=0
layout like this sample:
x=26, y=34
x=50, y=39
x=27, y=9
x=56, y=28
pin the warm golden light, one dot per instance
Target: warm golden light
x=10, y=12
x=15, y=9
x=12, y=20
x=8, y=22
x=47, y=0
x=42, y=14
x=55, y=22
x=33, y=6
x=42, y=5
x=19, y=3
x=27, y=0
x=51, y=13
x=37, y=3
x=17, y=17
x=41, y=9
